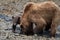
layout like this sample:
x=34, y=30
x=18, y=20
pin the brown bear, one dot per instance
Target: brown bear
x=44, y=14
x=15, y=20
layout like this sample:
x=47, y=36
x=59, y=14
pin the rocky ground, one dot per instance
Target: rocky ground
x=8, y=8
x=7, y=34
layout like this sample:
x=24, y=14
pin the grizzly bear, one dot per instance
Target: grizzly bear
x=16, y=20
x=43, y=15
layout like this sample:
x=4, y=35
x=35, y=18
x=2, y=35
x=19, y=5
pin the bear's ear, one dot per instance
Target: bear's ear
x=12, y=17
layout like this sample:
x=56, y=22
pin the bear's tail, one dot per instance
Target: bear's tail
x=28, y=6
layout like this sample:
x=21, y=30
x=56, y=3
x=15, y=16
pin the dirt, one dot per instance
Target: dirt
x=9, y=8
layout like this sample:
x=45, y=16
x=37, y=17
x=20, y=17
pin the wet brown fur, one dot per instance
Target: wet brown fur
x=45, y=14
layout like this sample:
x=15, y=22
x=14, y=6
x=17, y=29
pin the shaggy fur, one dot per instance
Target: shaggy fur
x=43, y=15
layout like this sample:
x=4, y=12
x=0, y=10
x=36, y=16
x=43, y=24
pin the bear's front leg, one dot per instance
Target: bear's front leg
x=13, y=28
